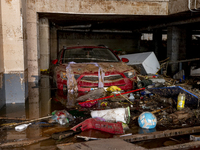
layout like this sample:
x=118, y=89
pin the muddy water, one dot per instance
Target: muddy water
x=42, y=101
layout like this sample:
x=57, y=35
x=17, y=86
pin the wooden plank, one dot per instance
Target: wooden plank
x=104, y=144
x=23, y=143
x=191, y=145
x=59, y=136
x=161, y=134
x=13, y=118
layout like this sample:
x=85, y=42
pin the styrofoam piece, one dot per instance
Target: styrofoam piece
x=158, y=80
x=194, y=72
x=180, y=75
x=113, y=115
x=194, y=137
x=146, y=62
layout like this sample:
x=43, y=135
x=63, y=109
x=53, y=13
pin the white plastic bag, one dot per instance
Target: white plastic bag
x=113, y=115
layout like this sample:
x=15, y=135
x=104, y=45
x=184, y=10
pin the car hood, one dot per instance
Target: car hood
x=80, y=68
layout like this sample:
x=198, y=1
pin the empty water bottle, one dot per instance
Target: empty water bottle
x=22, y=127
x=131, y=97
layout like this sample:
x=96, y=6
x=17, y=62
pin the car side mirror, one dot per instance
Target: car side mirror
x=125, y=60
x=55, y=61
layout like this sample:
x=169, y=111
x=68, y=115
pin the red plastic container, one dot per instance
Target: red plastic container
x=92, y=123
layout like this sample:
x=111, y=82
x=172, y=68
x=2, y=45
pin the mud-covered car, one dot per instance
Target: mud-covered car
x=90, y=67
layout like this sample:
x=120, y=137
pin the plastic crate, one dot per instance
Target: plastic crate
x=173, y=93
x=91, y=123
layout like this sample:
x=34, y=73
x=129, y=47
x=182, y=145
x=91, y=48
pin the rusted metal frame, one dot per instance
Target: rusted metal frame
x=161, y=134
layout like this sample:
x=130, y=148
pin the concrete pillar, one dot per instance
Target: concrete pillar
x=14, y=51
x=44, y=44
x=157, y=39
x=173, y=43
x=33, y=42
x=33, y=112
x=53, y=47
x=176, y=45
x=2, y=85
x=45, y=96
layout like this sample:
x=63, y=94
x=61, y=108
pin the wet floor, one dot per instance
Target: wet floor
x=42, y=101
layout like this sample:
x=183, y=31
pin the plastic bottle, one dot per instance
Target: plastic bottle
x=22, y=127
x=131, y=97
x=181, y=101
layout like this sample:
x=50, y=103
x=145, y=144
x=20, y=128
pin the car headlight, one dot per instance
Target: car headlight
x=63, y=75
x=129, y=74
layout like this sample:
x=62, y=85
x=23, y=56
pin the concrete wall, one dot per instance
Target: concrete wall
x=115, y=41
x=13, y=50
x=2, y=86
x=177, y=6
x=1, y=44
x=12, y=36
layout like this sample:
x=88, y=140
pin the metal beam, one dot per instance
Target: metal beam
x=175, y=23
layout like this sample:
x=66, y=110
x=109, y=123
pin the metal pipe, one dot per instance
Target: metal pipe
x=189, y=6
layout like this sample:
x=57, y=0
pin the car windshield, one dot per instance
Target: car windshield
x=80, y=55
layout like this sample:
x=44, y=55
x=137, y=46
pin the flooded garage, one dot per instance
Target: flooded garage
x=76, y=74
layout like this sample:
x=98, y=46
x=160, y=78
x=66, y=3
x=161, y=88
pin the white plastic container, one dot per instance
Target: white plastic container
x=147, y=62
x=113, y=115
x=22, y=127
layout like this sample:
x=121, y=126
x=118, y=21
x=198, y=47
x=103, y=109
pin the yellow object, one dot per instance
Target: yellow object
x=113, y=89
x=43, y=70
x=104, y=103
x=8, y=124
x=181, y=101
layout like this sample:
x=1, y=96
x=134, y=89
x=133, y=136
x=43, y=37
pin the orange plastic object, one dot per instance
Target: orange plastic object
x=92, y=123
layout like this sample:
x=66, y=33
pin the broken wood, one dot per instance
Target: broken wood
x=97, y=93
x=181, y=115
x=15, y=118
x=161, y=134
x=111, y=96
x=29, y=121
x=190, y=145
x=125, y=98
x=60, y=146
x=59, y=136
x=102, y=144
x=56, y=129
x=153, y=112
x=23, y=143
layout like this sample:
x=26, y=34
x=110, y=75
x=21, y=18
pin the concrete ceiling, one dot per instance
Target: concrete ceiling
x=121, y=22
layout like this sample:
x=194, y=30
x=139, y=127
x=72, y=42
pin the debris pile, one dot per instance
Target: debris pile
x=157, y=103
